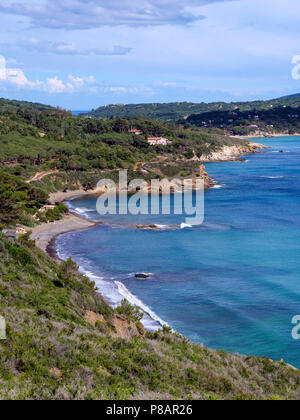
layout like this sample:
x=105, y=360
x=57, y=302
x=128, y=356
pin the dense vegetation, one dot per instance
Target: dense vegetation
x=82, y=149
x=179, y=110
x=18, y=200
x=12, y=105
x=54, y=350
x=269, y=121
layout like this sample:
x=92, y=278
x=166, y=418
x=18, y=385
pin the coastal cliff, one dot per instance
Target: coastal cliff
x=233, y=152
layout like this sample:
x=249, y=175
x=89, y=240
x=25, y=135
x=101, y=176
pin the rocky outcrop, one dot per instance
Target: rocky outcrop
x=142, y=276
x=176, y=185
x=231, y=153
x=155, y=227
x=92, y=318
x=117, y=326
x=223, y=154
x=125, y=329
x=208, y=182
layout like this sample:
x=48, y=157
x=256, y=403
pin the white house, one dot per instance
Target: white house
x=157, y=141
x=135, y=131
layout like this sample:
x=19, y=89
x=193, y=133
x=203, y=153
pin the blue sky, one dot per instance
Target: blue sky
x=81, y=54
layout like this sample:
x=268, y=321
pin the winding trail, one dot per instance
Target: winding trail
x=40, y=175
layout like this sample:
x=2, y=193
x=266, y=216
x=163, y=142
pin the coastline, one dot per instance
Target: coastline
x=61, y=196
x=263, y=135
x=233, y=153
x=45, y=235
x=224, y=154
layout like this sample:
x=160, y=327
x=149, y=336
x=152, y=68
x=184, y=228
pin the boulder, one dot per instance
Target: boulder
x=142, y=276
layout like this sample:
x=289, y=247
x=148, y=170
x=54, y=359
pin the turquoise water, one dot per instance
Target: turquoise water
x=233, y=283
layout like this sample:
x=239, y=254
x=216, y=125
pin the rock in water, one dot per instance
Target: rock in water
x=142, y=276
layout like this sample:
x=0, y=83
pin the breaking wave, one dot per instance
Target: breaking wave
x=137, y=302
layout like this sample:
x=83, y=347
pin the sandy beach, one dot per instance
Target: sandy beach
x=45, y=235
x=61, y=196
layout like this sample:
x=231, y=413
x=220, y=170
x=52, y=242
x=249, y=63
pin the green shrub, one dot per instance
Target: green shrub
x=131, y=313
x=20, y=254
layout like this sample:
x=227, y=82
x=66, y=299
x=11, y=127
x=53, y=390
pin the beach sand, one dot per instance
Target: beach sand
x=46, y=234
x=61, y=196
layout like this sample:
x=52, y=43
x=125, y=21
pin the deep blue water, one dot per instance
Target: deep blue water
x=233, y=283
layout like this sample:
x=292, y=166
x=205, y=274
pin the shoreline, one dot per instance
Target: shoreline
x=262, y=136
x=45, y=235
x=61, y=196
x=69, y=223
x=225, y=154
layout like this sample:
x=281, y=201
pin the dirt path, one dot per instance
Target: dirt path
x=40, y=175
x=138, y=165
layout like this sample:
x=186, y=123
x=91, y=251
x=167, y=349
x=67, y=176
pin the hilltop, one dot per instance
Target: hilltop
x=179, y=110
x=266, y=122
x=13, y=105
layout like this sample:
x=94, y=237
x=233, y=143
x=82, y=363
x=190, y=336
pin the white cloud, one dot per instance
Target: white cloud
x=2, y=68
x=242, y=48
x=17, y=78
x=55, y=85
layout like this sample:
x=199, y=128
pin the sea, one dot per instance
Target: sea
x=232, y=283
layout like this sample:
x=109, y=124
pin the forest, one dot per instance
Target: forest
x=268, y=121
x=179, y=110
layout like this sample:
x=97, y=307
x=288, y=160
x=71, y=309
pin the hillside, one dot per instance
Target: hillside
x=259, y=122
x=78, y=151
x=12, y=105
x=64, y=342
x=180, y=110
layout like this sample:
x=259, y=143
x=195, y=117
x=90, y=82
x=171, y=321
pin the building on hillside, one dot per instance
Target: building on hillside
x=135, y=131
x=20, y=230
x=158, y=141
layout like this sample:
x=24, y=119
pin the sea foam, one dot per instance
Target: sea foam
x=137, y=302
